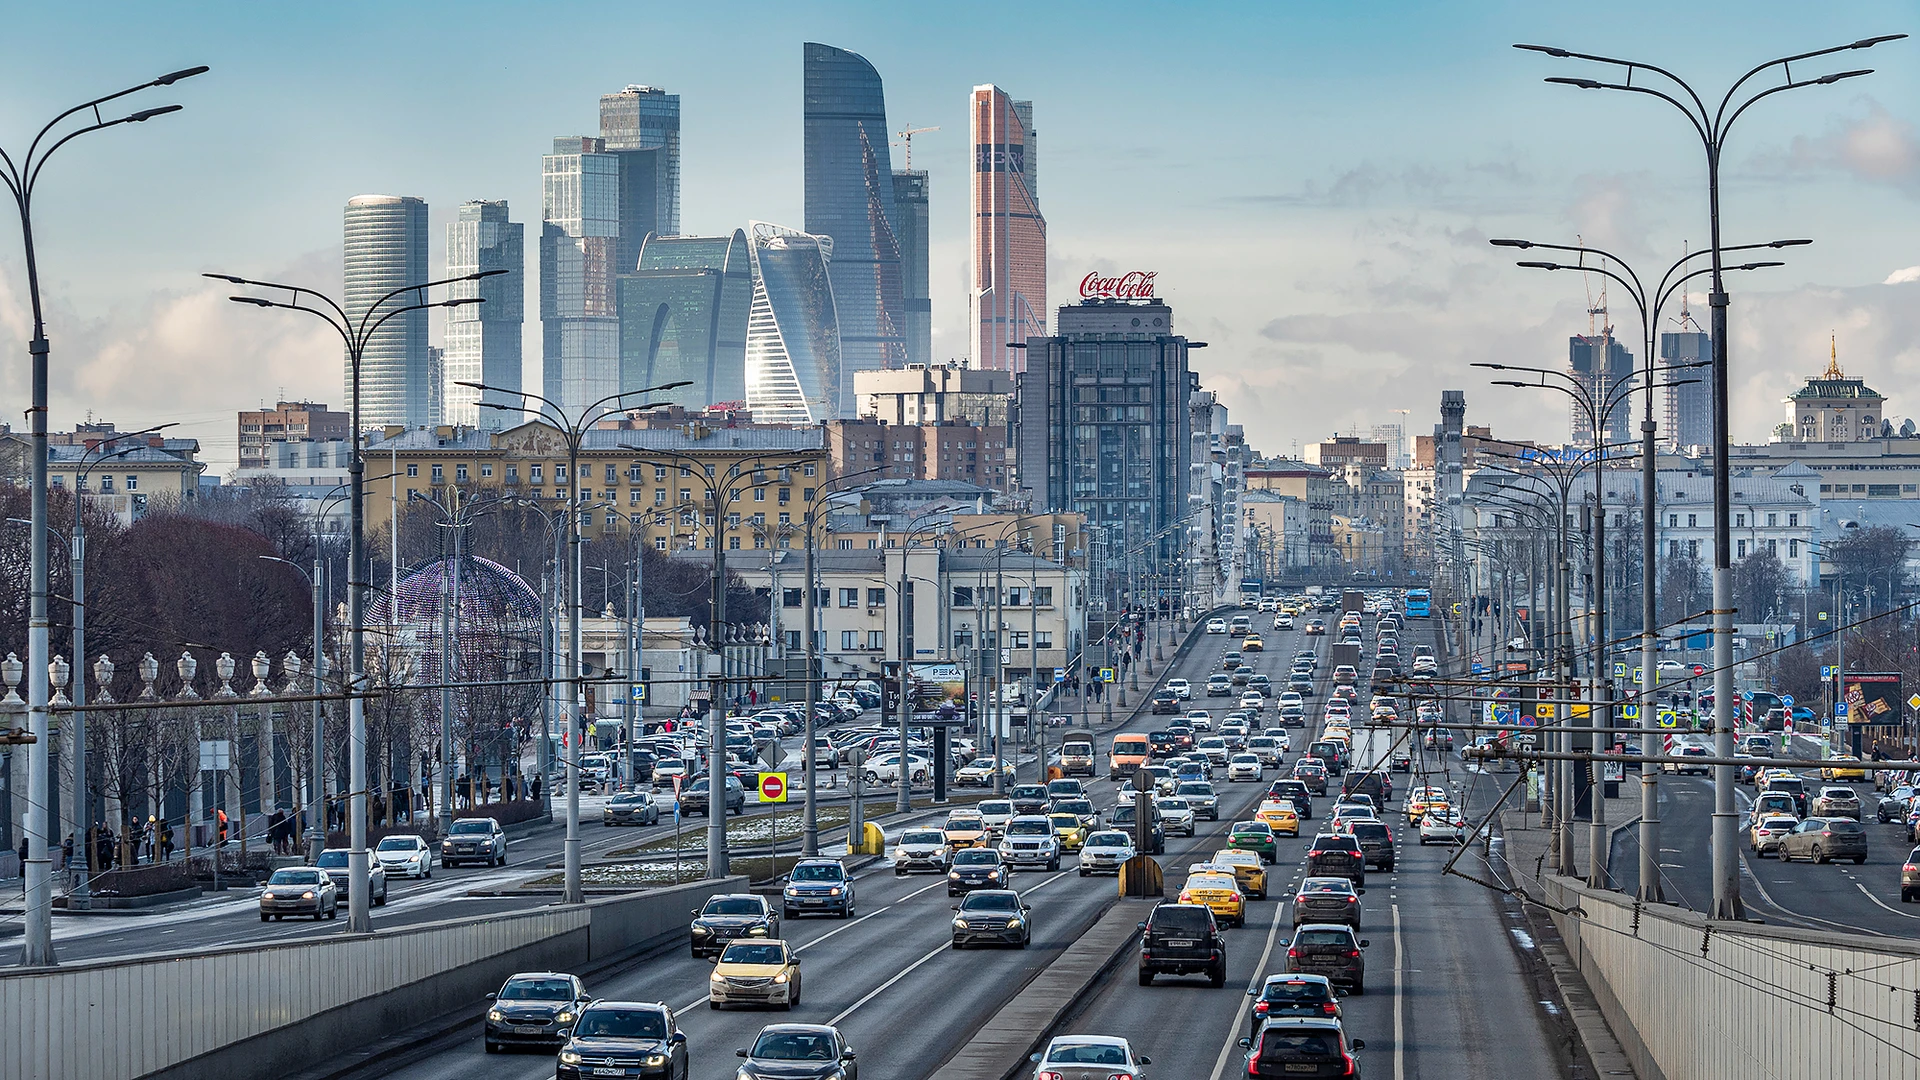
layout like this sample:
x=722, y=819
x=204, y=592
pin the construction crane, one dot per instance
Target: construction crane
x=907, y=140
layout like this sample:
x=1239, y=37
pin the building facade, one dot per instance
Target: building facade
x=386, y=250
x=910, y=197
x=122, y=477
x=1689, y=405
x=683, y=316
x=1832, y=408
x=1316, y=495
x=1008, y=300
x=922, y=393
x=288, y=422
x=928, y=450
x=579, y=227
x=641, y=126
x=483, y=340
x=1604, y=369
x=795, y=364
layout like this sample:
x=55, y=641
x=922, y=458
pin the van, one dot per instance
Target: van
x=1076, y=755
x=1240, y=626
x=1129, y=752
x=1369, y=782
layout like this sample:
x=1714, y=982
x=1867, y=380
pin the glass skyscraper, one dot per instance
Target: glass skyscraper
x=641, y=124
x=850, y=198
x=483, y=340
x=1689, y=419
x=683, y=315
x=386, y=249
x=1009, y=294
x=795, y=366
x=910, y=199
x=580, y=221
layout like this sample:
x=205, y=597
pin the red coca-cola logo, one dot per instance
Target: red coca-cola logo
x=1133, y=285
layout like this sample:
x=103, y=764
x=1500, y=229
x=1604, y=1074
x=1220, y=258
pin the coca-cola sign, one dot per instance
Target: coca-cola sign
x=1132, y=285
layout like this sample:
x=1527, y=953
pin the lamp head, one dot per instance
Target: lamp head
x=229, y=278
x=1863, y=43
x=1584, y=84
x=1789, y=243
x=1509, y=243
x=172, y=77
x=144, y=115
x=1829, y=80
x=1534, y=265
x=1550, y=50
x=254, y=300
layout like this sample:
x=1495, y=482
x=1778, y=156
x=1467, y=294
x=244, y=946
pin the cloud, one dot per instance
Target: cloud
x=1902, y=276
x=1875, y=146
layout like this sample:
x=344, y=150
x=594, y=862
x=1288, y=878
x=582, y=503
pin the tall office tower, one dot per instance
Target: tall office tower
x=1689, y=419
x=1009, y=295
x=1605, y=380
x=641, y=124
x=580, y=221
x=910, y=200
x=849, y=198
x=483, y=340
x=683, y=315
x=386, y=246
x=795, y=365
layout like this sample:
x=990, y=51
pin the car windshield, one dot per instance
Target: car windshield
x=1295, y=990
x=1334, y=843
x=965, y=821
x=1284, y=1045
x=976, y=857
x=1328, y=936
x=818, y=872
x=615, y=1023
x=462, y=828
x=793, y=1046
x=1326, y=885
x=1029, y=792
x=1369, y=830
x=397, y=843
x=1000, y=807
x=1074, y=806
x=923, y=836
x=1027, y=828
x=1842, y=825
x=331, y=860
x=732, y=905
x=1086, y=1054
x=536, y=990
x=1181, y=919
x=296, y=877
x=1198, y=788
x=991, y=901
x=1246, y=828
x=755, y=952
x=1107, y=839
x=630, y=798
x=983, y=763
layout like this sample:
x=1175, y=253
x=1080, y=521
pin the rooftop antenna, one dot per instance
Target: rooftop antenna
x=907, y=138
x=1686, y=318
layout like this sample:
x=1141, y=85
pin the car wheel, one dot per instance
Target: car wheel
x=446, y=864
x=958, y=945
x=713, y=1005
x=381, y=900
x=1083, y=871
x=492, y=1047
x=1054, y=864
x=787, y=913
x=1819, y=856
x=1858, y=859
x=332, y=913
x=1359, y=988
x=1146, y=977
x=1217, y=978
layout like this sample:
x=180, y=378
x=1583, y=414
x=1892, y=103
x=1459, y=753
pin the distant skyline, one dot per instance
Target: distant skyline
x=1314, y=186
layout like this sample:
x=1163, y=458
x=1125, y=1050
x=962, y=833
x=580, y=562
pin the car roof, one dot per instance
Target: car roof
x=1325, y=926
x=1316, y=1023
x=1101, y=1040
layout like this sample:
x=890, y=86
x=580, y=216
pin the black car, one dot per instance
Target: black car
x=729, y=917
x=1326, y=900
x=818, y=885
x=622, y=1038
x=1295, y=791
x=1164, y=744
x=693, y=797
x=1302, y=1047
x=977, y=868
x=993, y=917
x=534, y=1007
x=1330, y=949
x=1331, y=752
x=1166, y=701
x=1371, y=782
x=1182, y=939
x=1335, y=855
x=1376, y=842
x=791, y=1051
x=1125, y=820
x=1030, y=799
x=630, y=808
x=1284, y=997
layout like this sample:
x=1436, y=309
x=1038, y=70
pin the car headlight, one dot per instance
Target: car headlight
x=792, y=890
x=700, y=931
x=494, y=1015
x=781, y=978
x=758, y=931
x=568, y=1057
x=959, y=924
x=308, y=895
x=717, y=978
x=564, y=1018
x=835, y=891
x=1014, y=924
x=953, y=875
x=654, y=1061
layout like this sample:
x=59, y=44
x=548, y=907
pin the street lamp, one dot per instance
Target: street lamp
x=21, y=179
x=355, y=333
x=1713, y=127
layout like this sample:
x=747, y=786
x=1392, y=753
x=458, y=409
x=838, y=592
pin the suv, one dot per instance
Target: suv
x=1330, y=949
x=1297, y=792
x=1837, y=802
x=1334, y=855
x=693, y=797
x=1029, y=838
x=1376, y=842
x=474, y=840
x=1327, y=900
x=818, y=885
x=1287, y=997
x=1165, y=701
x=1303, y=1046
x=1030, y=799
x=609, y=1034
x=1182, y=939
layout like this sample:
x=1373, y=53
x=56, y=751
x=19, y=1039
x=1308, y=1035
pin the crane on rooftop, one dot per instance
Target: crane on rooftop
x=906, y=138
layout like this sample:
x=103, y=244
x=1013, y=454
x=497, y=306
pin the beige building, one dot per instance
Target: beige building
x=1832, y=408
x=121, y=476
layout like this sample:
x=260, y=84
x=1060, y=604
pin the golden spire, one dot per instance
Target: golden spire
x=1833, y=358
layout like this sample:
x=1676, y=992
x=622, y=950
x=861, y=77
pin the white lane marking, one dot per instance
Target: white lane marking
x=1399, y=1001
x=876, y=991
x=1259, y=979
x=1877, y=900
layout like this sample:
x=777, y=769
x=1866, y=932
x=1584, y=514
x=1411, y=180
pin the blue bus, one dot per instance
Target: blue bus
x=1419, y=604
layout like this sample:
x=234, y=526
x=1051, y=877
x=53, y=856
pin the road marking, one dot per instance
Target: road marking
x=876, y=991
x=1877, y=900
x=851, y=923
x=1259, y=978
x=1399, y=1001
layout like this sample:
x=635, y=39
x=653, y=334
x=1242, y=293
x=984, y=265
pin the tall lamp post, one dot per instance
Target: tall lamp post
x=316, y=792
x=1713, y=127
x=903, y=800
x=21, y=180
x=355, y=333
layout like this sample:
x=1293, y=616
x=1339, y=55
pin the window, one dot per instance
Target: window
x=733, y=543
x=513, y=474
x=560, y=493
x=659, y=543
x=786, y=495
x=1693, y=549
x=613, y=475
x=1019, y=639
x=1743, y=549
x=133, y=483
x=633, y=496
x=759, y=542
x=586, y=519
x=1016, y=596
x=876, y=598
x=844, y=545
x=1773, y=549
x=849, y=597
x=1693, y=521
x=709, y=471
x=1793, y=549
x=807, y=470
x=877, y=640
x=486, y=472
x=106, y=484
x=792, y=597
x=659, y=472
x=559, y=473
x=1043, y=639
x=686, y=495
x=793, y=640
x=459, y=474
x=1793, y=521
x=1739, y=521
x=759, y=494
x=1043, y=596
x=963, y=596
x=963, y=638
x=686, y=470
x=413, y=469
x=1773, y=520
x=758, y=519
x=807, y=494
x=849, y=640
x=1673, y=549
x=534, y=475
x=786, y=518
x=633, y=474
x=733, y=520
x=659, y=496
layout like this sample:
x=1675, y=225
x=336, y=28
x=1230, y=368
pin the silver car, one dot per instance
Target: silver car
x=334, y=862
x=1029, y=840
x=1104, y=852
x=1088, y=1057
x=1175, y=814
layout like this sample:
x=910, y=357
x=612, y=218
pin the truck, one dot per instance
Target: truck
x=1353, y=600
x=1076, y=754
x=1316, y=591
x=1128, y=753
x=1345, y=653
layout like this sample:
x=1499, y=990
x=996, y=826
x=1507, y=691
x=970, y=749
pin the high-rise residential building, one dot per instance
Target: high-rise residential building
x=936, y=394
x=795, y=366
x=683, y=315
x=910, y=197
x=1009, y=294
x=386, y=250
x=1689, y=395
x=288, y=422
x=850, y=199
x=580, y=222
x=641, y=124
x=483, y=340
x=1606, y=375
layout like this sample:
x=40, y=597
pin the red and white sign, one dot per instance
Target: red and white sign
x=773, y=787
x=1699, y=669
x=1132, y=285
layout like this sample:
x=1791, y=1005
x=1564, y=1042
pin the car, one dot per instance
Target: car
x=1376, y=841
x=406, y=854
x=1244, y=767
x=1181, y=687
x=1232, y=660
x=1315, y=628
x=533, y=1007
x=884, y=768
x=1326, y=900
x=1216, y=626
x=1182, y=939
x=1821, y=839
x=1165, y=701
x=1910, y=877
x=1437, y=739
x=1895, y=805
x=693, y=797
x=1217, y=887
x=1765, y=834
x=1176, y=814
x=1843, y=768
x=785, y=1051
x=1344, y=812
x=1290, y=790
x=630, y=808
x=1200, y=798
x=1254, y=836
x=992, y=917
x=300, y=890
x=1087, y=1057
x=1028, y=839
x=1692, y=750
x=1069, y=829
x=1421, y=799
x=1081, y=808
x=1285, y=997
x=965, y=828
x=1782, y=781
x=478, y=840
x=1248, y=869
x=1220, y=684
x=1254, y=701
x=1837, y=802
x=608, y=1035
x=1300, y=683
x=979, y=772
x=1280, y=816
x=1164, y=780
x=924, y=849
x=334, y=862
x=1253, y=643
x=1105, y=851
x=1442, y=825
x=729, y=917
x=1302, y=1046
x=1268, y=749
x=1283, y=622
x=818, y=885
x=977, y=868
x=1123, y=818
x=1215, y=750
x=1312, y=772
x=1769, y=803
x=1335, y=855
x=1030, y=798
x=1330, y=949
x=995, y=813
x=755, y=973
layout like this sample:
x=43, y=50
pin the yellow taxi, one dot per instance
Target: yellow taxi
x=965, y=829
x=1349, y=619
x=1253, y=643
x=1219, y=890
x=1422, y=799
x=1280, y=817
x=1069, y=830
x=1843, y=768
x=1248, y=870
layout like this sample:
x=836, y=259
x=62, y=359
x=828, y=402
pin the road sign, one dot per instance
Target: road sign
x=1699, y=669
x=773, y=787
x=1639, y=676
x=1059, y=674
x=1823, y=616
x=1668, y=718
x=1914, y=702
x=215, y=755
x=1629, y=712
x=637, y=693
x=1619, y=670
x=1787, y=700
x=1840, y=709
x=1106, y=674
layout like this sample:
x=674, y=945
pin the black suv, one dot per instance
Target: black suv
x=1376, y=842
x=1334, y=855
x=728, y=917
x=611, y=1036
x=1166, y=701
x=1331, y=752
x=1289, y=997
x=1302, y=1047
x=1181, y=939
x=1297, y=791
x=1030, y=799
x=1330, y=949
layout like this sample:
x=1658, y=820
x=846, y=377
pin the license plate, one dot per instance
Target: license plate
x=1297, y=1068
x=605, y=1070
x=812, y=900
x=528, y=1029
x=1181, y=944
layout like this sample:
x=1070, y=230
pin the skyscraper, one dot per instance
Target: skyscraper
x=850, y=198
x=580, y=222
x=910, y=201
x=1605, y=380
x=1009, y=294
x=386, y=249
x=795, y=366
x=483, y=340
x=641, y=125
x=1689, y=419
x=683, y=315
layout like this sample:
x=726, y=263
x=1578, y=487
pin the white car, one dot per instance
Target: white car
x=1443, y=827
x=1164, y=780
x=1080, y=1056
x=1425, y=665
x=1029, y=839
x=979, y=773
x=885, y=768
x=1199, y=720
x=1216, y=626
x=1181, y=688
x=995, y=813
x=1214, y=749
x=408, y=856
x=1283, y=622
x=1175, y=815
x=920, y=849
x=1254, y=700
x=1243, y=767
x=1104, y=851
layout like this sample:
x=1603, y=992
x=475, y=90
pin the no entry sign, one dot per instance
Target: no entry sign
x=773, y=787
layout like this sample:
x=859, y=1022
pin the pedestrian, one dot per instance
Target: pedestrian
x=66, y=851
x=23, y=856
x=166, y=841
x=536, y=788
x=274, y=823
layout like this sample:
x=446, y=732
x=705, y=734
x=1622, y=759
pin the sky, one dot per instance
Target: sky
x=1314, y=184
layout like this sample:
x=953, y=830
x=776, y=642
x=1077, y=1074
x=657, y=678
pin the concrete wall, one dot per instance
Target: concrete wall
x=1742, y=1001
x=247, y=1011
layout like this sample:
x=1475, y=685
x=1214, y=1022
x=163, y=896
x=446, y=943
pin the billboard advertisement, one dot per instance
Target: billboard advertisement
x=1873, y=700
x=939, y=692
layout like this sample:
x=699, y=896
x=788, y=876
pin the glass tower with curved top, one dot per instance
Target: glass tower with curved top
x=386, y=249
x=795, y=365
x=683, y=316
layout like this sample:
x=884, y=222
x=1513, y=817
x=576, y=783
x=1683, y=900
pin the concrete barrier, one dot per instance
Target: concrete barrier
x=246, y=1011
x=1691, y=999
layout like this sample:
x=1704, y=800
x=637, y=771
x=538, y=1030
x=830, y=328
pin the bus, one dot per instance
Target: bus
x=1419, y=604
